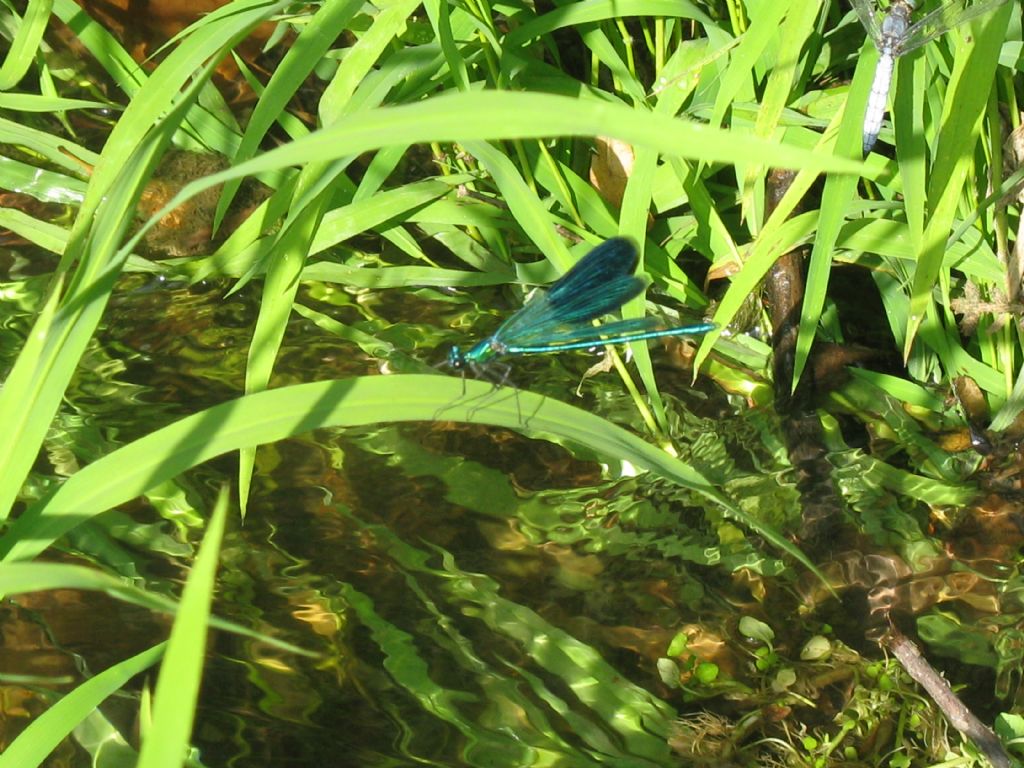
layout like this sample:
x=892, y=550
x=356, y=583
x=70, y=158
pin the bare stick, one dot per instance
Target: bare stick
x=959, y=716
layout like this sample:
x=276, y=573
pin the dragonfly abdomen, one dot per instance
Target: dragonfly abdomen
x=877, y=100
x=895, y=36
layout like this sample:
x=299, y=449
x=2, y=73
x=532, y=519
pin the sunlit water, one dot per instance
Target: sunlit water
x=474, y=597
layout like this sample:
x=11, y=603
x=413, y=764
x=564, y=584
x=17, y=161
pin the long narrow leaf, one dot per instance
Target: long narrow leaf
x=314, y=41
x=126, y=164
x=835, y=202
x=280, y=413
x=965, y=106
x=177, y=689
x=46, y=731
x=26, y=43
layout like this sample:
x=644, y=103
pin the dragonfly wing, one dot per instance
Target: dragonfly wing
x=618, y=332
x=598, y=300
x=869, y=18
x=597, y=333
x=598, y=284
x=612, y=259
x=941, y=20
x=543, y=317
x=601, y=282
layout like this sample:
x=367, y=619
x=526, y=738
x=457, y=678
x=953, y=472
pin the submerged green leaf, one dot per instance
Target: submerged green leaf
x=756, y=629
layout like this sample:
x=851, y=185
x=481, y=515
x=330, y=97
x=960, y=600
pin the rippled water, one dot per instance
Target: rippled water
x=475, y=597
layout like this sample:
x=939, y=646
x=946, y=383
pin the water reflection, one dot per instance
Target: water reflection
x=480, y=598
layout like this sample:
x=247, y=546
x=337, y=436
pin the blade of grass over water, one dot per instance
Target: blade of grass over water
x=177, y=689
x=275, y=414
x=114, y=188
x=279, y=290
x=23, y=578
x=304, y=220
x=43, y=185
x=29, y=409
x=494, y=115
x=46, y=731
x=48, y=236
x=58, y=151
x=25, y=45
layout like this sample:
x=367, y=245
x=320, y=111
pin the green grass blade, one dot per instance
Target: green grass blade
x=637, y=202
x=275, y=414
x=316, y=38
x=52, y=237
x=57, y=150
x=177, y=689
x=636, y=206
x=912, y=153
x=361, y=57
x=34, y=102
x=364, y=215
x=42, y=377
x=45, y=732
x=22, y=381
x=835, y=205
x=752, y=44
x=26, y=42
x=604, y=51
x=22, y=578
x=590, y=11
x=958, y=130
x=126, y=164
x=440, y=14
x=46, y=186
x=779, y=235
x=793, y=34
x=527, y=210
x=490, y=115
x=279, y=289
x=1012, y=408
x=316, y=179
x=162, y=88
x=104, y=47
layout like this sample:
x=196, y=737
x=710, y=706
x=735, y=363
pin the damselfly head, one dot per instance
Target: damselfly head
x=456, y=360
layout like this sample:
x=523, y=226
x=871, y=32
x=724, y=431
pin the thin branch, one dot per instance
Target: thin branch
x=959, y=716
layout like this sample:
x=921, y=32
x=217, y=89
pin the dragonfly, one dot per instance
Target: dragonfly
x=894, y=36
x=561, y=319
